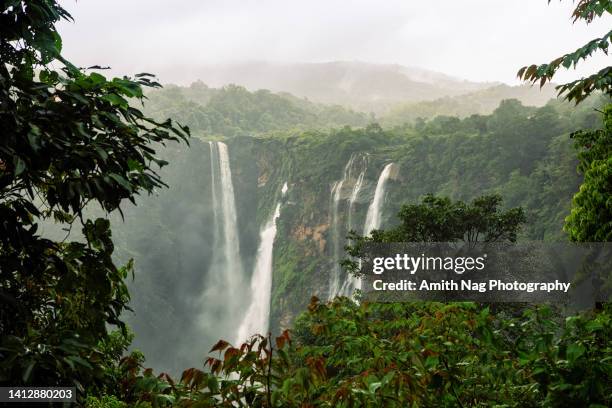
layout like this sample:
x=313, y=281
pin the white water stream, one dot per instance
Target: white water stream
x=257, y=317
x=374, y=215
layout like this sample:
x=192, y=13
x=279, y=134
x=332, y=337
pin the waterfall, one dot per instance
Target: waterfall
x=337, y=229
x=226, y=255
x=214, y=164
x=231, y=247
x=218, y=303
x=257, y=317
x=334, y=278
x=355, y=192
x=374, y=214
x=338, y=286
x=349, y=281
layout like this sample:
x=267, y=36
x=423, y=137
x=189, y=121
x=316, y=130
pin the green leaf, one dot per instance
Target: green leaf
x=96, y=78
x=574, y=351
x=373, y=387
x=594, y=325
x=115, y=99
x=432, y=361
x=28, y=371
x=213, y=384
x=20, y=165
x=121, y=181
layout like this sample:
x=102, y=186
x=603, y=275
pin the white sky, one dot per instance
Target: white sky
x=480, y=40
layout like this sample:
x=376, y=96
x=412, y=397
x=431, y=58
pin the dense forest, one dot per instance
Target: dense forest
x=234, y=111
x=225, y=237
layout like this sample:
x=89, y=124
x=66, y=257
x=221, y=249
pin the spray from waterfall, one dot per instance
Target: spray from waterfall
x=257, y=317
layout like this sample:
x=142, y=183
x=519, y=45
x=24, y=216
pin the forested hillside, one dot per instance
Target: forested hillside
x=482, y=102
x=234, y=111
x=528, y=159
x=361, y=86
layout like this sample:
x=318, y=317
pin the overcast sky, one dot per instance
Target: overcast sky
x=480, y=40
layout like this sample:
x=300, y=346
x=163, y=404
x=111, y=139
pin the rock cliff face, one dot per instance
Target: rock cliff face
x=331, y=184
x=303, y=258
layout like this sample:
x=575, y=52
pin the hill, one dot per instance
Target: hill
x=234, y=111
x=362, y=86
x=482, y=102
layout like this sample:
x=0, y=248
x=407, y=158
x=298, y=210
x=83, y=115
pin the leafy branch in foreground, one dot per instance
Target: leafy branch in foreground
x=579, y=89
x=70, y=138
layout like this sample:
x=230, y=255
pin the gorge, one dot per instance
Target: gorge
x=220, y=260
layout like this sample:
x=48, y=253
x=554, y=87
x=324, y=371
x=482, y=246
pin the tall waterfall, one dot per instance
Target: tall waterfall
x=214, y=164
x=374, y=214
x=337, y=229
x=356, y=190
x=257, y=317
x=231, y=244
x=218, y=303
x=338, y=286
x=350, y=282
x=223, y=199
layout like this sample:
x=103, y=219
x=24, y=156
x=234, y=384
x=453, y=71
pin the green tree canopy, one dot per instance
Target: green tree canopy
x=591, y=216
x=439, y=219
x=69, y=137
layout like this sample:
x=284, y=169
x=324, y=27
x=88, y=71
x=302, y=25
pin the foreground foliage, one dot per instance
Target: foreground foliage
x=69, y=138
x=398, y=355
x=591, y=217
x=578, y=90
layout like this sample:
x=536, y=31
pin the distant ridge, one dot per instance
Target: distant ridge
x=363, y=86
x=482, y=102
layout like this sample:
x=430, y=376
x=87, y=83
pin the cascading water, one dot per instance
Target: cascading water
x=374, y=214
x=336, y=228
x=214, y=164
x=356, y=190
x=337, y=285
x=218, y=302
x=257, y=317
x=350, y=281
x=230, y=220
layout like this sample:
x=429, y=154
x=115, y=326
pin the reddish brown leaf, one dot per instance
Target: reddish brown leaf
x=220, y=346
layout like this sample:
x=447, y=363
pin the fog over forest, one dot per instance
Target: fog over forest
x=477, y=40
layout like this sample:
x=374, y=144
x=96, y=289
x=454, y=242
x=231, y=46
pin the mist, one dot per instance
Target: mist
x=476, y=40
